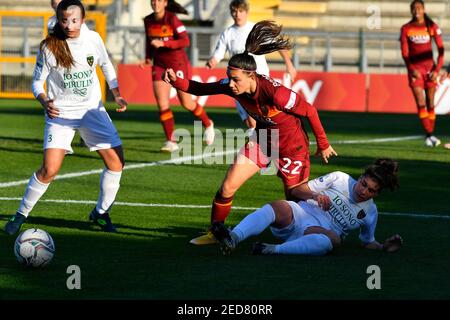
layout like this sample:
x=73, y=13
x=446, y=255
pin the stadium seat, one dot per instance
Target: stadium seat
x=302, y=6
x=297, y=23
x=264, y=3
x=258, y=14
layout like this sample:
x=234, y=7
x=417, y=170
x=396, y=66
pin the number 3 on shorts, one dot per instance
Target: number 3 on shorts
x=50, y=138
x=288, y=161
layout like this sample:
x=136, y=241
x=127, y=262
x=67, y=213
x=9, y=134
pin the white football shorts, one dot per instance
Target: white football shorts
x=95, y=128
x=302, y=220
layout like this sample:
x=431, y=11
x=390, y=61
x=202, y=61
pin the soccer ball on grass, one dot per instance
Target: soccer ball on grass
x=34, y=248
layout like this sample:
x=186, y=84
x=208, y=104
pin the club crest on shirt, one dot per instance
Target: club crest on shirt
x=361, y=214
x=90, y=60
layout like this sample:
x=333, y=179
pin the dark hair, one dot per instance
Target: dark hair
x=175, y=7
x=428, y=21
x=265, y=37
x=56, y=41
x=384, y=171
x=236, y=4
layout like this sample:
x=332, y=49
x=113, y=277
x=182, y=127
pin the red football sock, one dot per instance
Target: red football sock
x=423, y=116
x=221, y=208
x=431, y=119
x=200, y=114
x=168, y=123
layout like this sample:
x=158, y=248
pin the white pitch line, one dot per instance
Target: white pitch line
x=194, y=206
x=127, y=167
x=376, y=140
x=194, y=158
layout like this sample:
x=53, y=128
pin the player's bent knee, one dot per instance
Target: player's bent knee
x=334, y=238
x=283, y=213
x=336, y=241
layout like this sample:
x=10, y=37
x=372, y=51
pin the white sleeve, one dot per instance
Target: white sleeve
x=324, y=182
x=40, y=74
x=221, y=47
x=105, y=64
x=367, y=231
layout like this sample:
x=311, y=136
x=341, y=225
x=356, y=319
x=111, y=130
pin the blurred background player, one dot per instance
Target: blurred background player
x=166, y=38
x=333, y=205
x=232, y=40
x=275, y=108
x=416, y=44
x=71, y=105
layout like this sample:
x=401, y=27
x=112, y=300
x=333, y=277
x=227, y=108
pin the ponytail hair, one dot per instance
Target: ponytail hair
x=56, y=41
x=265, y=37
x=384, y=171
x=175, y=7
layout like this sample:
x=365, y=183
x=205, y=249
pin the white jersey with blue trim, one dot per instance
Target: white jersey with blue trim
x=345, y=213
x=77, y=89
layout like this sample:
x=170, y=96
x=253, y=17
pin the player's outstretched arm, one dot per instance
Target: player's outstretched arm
x=304, y=192
x=194, y=87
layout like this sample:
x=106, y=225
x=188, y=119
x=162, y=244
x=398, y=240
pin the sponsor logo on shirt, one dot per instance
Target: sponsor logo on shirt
x=78, y=81
x=160, y=31
x=342, y=215
x=420, y=38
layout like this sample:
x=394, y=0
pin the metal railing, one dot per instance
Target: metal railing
x=327, y=49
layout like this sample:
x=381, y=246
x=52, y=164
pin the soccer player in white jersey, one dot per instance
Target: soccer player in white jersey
x=67, y=62
x=332, y=206
x=232, y=40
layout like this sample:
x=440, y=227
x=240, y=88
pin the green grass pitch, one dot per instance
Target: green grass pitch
x=151, y=258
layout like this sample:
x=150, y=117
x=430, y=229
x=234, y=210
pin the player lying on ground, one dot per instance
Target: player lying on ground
x=332, y=206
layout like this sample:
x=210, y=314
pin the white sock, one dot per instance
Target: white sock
x=33, y=193
x=314, y=244
x=109, y=186
x=254, y=223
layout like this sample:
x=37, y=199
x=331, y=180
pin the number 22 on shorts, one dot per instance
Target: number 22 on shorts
x=296, y=164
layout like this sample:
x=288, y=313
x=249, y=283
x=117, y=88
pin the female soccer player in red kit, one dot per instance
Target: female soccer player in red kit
x=166, y=38
x=417, y=52
x=274, y=107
